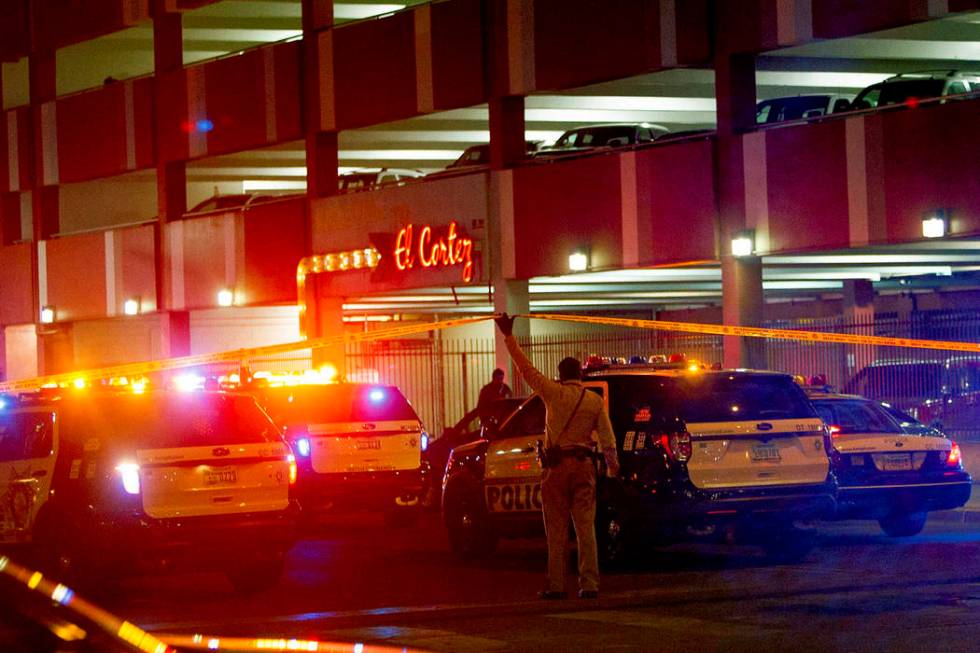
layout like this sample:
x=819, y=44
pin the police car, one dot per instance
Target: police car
x=702, y=454
x=357, y=445
x=100, y=484
x=894, y=472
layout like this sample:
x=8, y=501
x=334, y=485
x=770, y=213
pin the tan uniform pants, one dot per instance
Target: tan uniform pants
x=568, y=490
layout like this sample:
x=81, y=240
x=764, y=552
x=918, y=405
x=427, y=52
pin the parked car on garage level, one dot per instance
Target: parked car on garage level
x=703, y=454
x=909, y=87
x=799, y=107
x=888, y=472
x=591, y=137
x=235, y=202
x=370, y=178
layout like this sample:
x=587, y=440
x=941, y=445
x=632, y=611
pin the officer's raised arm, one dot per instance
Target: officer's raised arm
x=540, y=383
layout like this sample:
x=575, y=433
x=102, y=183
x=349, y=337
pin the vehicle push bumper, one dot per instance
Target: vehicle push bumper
x=876, y=499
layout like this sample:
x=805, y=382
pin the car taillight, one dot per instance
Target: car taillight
x=680, y=446
x=291, y=459
x=130, y=475
x=955, y=458
x=830, y=434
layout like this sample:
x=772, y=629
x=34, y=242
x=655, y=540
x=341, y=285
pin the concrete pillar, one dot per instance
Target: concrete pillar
x=512, y=297
x=321, y=139
x=741, y=278
x=742, y=304
x=507, y=143
x=859, y=311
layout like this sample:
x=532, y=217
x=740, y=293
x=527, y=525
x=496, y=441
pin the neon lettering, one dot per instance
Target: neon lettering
x=444, y=251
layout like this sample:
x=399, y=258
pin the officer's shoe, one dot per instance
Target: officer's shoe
x=552, y=595
x=588, y=594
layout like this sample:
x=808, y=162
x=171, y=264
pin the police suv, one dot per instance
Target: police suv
x=358, y=445
x=99, y=484
x=702, y=454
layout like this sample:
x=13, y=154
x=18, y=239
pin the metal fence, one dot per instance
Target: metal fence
x=442, y=377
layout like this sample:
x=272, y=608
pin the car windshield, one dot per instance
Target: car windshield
x=162, y=420
x=336, y=403
x=357, y=181
x=222, y=202
x=856, y=416
x=903, y=90
x=598, y=136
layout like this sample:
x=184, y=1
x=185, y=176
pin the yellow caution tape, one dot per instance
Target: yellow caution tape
x=149, y=367
x=757, y=332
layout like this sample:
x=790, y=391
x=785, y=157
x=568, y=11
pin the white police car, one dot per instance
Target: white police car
x=102, y=484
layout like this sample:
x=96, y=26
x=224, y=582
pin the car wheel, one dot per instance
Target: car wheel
x=60, y=555
x=613, y=540
x=903, y=524
x=256, y=576
x=470, y=533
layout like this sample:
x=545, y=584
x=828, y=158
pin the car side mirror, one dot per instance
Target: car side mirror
x=813, y=113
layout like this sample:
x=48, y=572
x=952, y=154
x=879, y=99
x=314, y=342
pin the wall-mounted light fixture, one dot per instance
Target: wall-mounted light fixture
x=131, y=306
x=743, y=242
x=226, y=297
x=935, y=225
x=47, y=314
x=578, y=260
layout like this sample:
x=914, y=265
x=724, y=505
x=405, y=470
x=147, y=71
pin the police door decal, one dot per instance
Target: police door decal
x=513, y=476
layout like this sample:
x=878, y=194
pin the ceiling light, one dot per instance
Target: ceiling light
x=131, y=306
x=47, y=314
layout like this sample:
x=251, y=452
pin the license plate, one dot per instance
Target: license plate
x=895, y=462
x=362, y=445
x=765, y=452
x=220, y=477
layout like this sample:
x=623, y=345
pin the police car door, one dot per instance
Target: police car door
x=28, y=443
x=513, y=477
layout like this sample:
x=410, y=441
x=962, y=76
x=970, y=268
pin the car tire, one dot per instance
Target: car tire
x=470, y=533
x=903, y=524
x=256, y=576
x=615, y=544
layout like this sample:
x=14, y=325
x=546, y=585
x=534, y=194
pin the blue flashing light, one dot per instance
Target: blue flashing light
x=424, y=441
x=3, y=404
x=303, y=447
x=376, y=395
x=204, y=125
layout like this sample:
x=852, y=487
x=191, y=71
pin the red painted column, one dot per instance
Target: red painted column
x=743, y=301
x=9, y=207
x=45, y=183
x=317, y=64
x=168, y=56
x=509, y=39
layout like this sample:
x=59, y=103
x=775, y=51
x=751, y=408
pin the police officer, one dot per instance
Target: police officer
x=568, y=487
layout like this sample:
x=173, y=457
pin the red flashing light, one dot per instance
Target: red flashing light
x=677, y=446
x=676, y=358
x=955, y=458
x=595, y=362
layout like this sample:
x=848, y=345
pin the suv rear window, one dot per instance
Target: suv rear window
x=901, y=91
x=340, y=403
x=736, y=397
x=160, y=421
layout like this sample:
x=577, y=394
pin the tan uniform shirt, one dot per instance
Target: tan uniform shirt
x=560, y=400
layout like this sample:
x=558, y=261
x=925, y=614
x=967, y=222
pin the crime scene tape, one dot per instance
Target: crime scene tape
x=758, y=332
x=149, y=367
